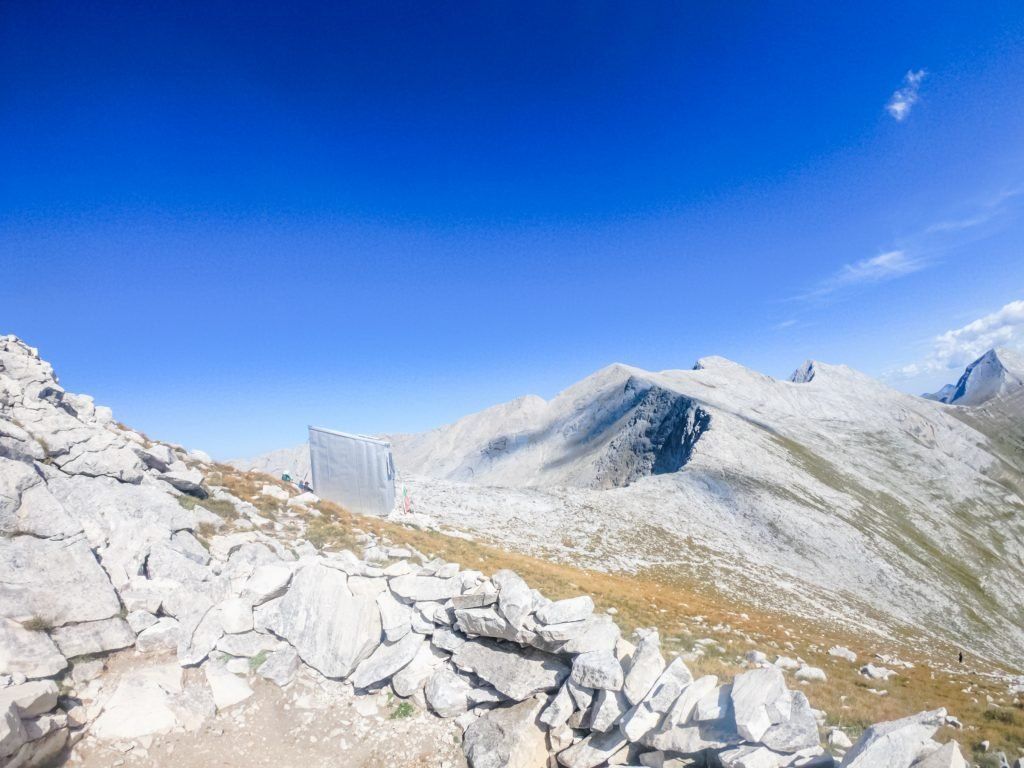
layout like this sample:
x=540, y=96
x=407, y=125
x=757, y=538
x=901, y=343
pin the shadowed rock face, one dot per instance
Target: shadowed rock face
x=660, y=432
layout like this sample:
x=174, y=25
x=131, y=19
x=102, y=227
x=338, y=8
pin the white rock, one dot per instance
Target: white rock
x=236, y=615
x=139, y=620
x=507, y=737
x=93, y=637
x=141, y=704
x=275, y=492
x=330, y=628
x=559, y=708
x=562, y=611
x=608, y=709
x=447, y=693
x=414, y=587
x=593, y=750
x=759, y=699
x=811, y=674
x=796, y=732
x=598, y=669
x=516, y=674
x=162, y=636
x=842, y=652
x=876, y=673
x=895, y=743
x=946, y=756
x=27, y=652
x=515, y=598
x=57, y=582
x=280, y=667
x=388, y=659
x=228, y=689
x=12, y=732
x=645, y=666
x=412, y=677
x=396, y=619
x=838, y=739
x=30, y=699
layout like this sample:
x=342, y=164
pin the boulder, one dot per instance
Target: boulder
x=515, y=598
x=563, y=611
x=141, y=704
x=842, y=652
x=600, y=632
x=487, y=622
x=598, y=669
x=608, y=709
x=395, y=618
x=236, y=615
x=388, y=659
x=559, y=708
x=414, y=675
x=186, y=480
x=330, y=628
x=447, y=693
x=811, y=674
x=28, y=652
x=415, y=588
x=266, y=583
x=93, y=637
x=507, y=737
x=55, y=582
x=946, y=756
x=759, y=700
x=165, y=635
x=516, y=673
x=799, y=731
x=645, y=666
x=896, y=743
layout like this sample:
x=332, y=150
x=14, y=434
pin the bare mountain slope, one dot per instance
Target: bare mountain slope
x=830, y=493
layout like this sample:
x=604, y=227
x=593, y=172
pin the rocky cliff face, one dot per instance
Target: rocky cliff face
x=996, y=374
x=131, y=611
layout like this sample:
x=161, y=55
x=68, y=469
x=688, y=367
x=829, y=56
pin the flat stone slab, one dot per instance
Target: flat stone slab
x=516, y=673
x=93, y=637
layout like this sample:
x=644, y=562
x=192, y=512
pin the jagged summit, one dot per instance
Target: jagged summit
x=805, y=373
x=997, y=373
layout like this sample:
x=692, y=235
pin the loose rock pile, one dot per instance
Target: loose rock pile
x=98, y=555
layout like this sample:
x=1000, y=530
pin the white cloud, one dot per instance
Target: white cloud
x=876, y=269
x=957, y=348
x=904, y=98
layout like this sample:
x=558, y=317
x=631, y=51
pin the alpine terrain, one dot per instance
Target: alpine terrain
x=829, y=495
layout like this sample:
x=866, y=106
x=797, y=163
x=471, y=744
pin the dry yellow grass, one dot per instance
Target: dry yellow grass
x=687, y=611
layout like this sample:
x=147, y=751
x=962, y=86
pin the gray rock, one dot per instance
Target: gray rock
x=607, y=710
x=93, y=637
x=447, y=639
x=515, y=598
x=27, y=652
x=228, y=689
x=562, y=611
x=266, y=583
x=516, y=673
x=388, y=659
x=601, y=633
x=593, y=750
x=236, y=615
x=412, y=677
x=185, y=480
x=395, y=618
x=165, y=635
x=759, y=700
x=139, y=620
x=507, y=737
x=554, y=633
x=199, y=635
x=684, y=707
x=799, y=732
x=842, y=652
x=645, y=666
x=895, y=743
x=715, y=705
x=598, y=669
x=248, y=644
x=31, y=698
x=12, y=732
x=447, y=693
x=26, y=504
x=487, y=622
x=558, y=709
x=56, y=582
x=280, y=667
x=415, y=588
x=330, y=628
x=695, y=737
x=946, y=756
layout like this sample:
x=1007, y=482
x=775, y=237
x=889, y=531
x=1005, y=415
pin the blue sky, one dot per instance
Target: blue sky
x=232, y=221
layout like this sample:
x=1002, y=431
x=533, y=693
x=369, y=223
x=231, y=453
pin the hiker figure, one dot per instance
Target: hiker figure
x=961, y=657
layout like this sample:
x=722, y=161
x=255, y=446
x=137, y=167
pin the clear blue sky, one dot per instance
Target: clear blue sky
x=232, y=221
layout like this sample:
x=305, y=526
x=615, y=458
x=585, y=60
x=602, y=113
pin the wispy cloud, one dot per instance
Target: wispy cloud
x=904, y=97
x=958, y=347
x=876, y=269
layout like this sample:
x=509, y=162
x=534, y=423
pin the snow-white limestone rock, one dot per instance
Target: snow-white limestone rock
x=896, y=743
x=28, y=652
x=507, y=737
x=330, y=628
x=93, y=637
x=517, y=674
x=645, y=666
x=760, y=700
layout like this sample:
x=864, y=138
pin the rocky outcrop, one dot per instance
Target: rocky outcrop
x=102, y=550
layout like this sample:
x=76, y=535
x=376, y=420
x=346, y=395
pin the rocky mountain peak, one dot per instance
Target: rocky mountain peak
x=996, y=373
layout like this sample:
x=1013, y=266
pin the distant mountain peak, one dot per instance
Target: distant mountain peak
x=805, y=373
x=998, y=372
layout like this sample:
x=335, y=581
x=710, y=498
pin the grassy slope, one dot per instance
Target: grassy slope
x=685, y=610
